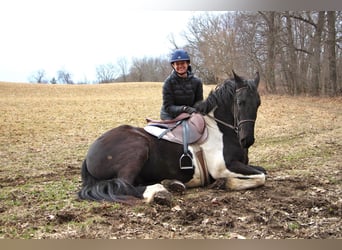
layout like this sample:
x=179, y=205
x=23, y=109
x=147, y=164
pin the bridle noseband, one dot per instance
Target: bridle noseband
x=237, y=123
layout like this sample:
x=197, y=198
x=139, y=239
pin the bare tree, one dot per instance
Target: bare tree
x=39, y=77
x=106, y=73
x=271, y=34
x=211, y=43
x=289, y=56
x=297, y=51
x=137, y=71
x=173, y=42
x=316, y=53
x=64, y=76
x=308, y=39
x=331, y=45
x=149, y=69
x=123, y=66
x=220, y=43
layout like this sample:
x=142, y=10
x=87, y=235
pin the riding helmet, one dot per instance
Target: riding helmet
x=179, y=55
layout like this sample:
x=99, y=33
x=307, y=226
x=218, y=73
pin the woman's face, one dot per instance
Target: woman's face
x=181, y=67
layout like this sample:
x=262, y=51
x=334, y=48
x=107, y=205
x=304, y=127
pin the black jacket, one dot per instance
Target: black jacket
x=179, y=92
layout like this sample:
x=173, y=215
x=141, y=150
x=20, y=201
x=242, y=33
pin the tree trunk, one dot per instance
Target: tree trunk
x=291, y=69
x=331, y=43
x=270, y=47
x=316, y=55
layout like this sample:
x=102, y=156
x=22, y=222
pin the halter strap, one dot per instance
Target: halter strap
x=244, y=121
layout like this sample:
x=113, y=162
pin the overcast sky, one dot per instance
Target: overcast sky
x=79, y=35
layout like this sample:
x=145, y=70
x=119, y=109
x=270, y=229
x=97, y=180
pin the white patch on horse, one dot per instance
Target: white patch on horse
x=213, y=155
x=151, y=190
x=213, y=149
x=196, y=180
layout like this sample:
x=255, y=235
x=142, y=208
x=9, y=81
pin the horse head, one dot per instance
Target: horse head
x=234, y=104
x=246, y=104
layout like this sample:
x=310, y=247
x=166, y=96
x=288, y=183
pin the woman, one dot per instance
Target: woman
x=181, y=89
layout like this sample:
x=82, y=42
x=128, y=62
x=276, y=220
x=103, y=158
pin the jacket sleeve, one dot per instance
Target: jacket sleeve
x=169, y=100
x=198, y=91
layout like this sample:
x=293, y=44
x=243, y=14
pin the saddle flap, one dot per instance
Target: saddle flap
x=196, y=124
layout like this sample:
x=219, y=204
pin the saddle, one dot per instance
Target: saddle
x=184, y=129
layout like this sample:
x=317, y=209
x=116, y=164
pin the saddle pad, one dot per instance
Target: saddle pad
x=156, y=131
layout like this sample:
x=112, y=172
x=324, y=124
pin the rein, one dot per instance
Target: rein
x=235, y=128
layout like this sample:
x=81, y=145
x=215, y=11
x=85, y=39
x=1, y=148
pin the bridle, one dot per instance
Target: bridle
x=237, y=123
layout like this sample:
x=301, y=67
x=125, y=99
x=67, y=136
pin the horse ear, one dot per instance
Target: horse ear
x=257, y=79
x=238, y=80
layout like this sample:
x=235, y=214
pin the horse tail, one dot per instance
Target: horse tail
x=115, y=190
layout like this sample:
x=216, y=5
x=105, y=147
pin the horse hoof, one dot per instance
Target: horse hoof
x=163, y=198
x=174, y=186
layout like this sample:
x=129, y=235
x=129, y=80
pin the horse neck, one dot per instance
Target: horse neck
x=225, y=117
x=225, y=114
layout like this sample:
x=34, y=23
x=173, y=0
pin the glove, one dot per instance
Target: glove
x=189, y=110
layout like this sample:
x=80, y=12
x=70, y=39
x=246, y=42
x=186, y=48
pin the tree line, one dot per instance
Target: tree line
x=296, y=52
x=141, y=70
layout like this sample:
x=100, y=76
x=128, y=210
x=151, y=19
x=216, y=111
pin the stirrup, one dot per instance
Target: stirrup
x=185, y=161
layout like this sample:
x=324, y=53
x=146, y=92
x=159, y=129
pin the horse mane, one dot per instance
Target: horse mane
x=222, y=95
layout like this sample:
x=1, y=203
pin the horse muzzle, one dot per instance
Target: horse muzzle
x=246, y=133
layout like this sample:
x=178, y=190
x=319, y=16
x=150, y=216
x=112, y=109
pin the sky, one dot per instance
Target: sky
x=77, y=36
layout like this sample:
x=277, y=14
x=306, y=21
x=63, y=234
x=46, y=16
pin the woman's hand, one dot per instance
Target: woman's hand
x=189, y=110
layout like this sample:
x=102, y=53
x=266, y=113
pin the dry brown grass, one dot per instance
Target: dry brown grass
x=46, y=131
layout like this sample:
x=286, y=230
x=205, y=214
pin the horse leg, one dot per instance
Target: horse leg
x=174, y=186
x=245, y=156
x=243, y=176
x=157, y=193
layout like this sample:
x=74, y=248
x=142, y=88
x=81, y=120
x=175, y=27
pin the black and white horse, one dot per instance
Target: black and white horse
x=127, y=163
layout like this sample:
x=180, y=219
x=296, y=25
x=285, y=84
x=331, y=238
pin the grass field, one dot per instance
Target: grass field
x=47, y=129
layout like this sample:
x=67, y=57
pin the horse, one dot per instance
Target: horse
x=128, y=164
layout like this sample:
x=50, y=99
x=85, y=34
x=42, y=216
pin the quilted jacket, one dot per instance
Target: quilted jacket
x=179, y=92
